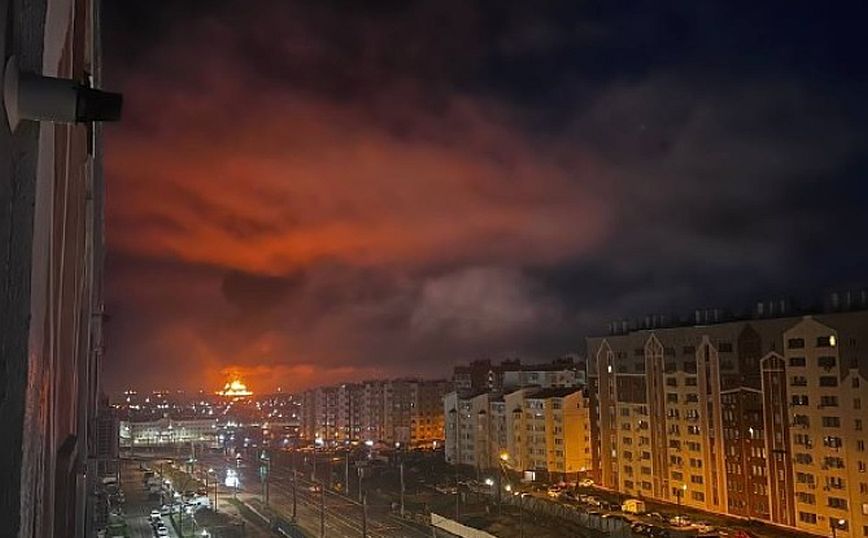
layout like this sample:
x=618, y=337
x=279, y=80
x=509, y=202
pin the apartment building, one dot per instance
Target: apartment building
x=348, y=419
x=760, y=417
x=549, y=431
x=511, y=374
x=400, y=411
x=532, y=430
x=560, y=373
x=373, y=411
x=427, y=421
x=467, y=430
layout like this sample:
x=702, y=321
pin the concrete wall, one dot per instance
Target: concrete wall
x=51, y=247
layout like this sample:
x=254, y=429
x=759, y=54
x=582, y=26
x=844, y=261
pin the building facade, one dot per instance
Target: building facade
x=760, y=418
x=51, y=222
x=544, y=432
x=405, y=412
x=167, y=432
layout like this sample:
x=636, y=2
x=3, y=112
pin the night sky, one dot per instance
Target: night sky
x=313, y=192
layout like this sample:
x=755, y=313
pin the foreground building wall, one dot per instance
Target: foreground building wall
x=760, y=418
x=50, y=298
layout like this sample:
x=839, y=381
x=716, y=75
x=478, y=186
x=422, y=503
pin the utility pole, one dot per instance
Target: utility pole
x=401, y=469
x=365, y=516
x=216, y=483
x=294, y=493
x=457, y=494
x=322, y=511
x=347, y=475
x=361, y=474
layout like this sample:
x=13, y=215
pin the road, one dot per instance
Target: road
x=138, y=507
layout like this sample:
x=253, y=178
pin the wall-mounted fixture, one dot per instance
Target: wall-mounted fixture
x=29, y=96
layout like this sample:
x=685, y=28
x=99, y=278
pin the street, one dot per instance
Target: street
x=138, y=507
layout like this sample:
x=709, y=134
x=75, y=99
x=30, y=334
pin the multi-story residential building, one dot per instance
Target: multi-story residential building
x=482, y=375
x=399, y=411
x=759, y=417
x=467, y=430
x=560, y=373
x=549, y=431
x=348, y=422
x=532, y=430
x=427, y=420
x=373, y=411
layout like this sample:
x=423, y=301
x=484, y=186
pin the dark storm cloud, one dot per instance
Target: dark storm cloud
x=332, y=192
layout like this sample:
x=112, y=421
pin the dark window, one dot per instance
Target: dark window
x=828, y=381
x=669, y=351
x=689, y=350
x=824, y=341
x=796, y=343
x=725, y=347
x=829, y=401
x=639, y=352
x=690, y=367
x=800, y=399
x=831, y=422
x=797, y=361
x=826, y=362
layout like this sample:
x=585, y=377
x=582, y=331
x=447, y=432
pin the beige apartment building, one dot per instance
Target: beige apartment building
x=530, y=430
x=468, y=430
x=760, y=418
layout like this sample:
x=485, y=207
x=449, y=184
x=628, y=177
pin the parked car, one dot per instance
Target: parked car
x=586, y=483
x=680, y=521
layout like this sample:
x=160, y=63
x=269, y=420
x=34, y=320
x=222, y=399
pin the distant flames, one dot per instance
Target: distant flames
x=235, y=388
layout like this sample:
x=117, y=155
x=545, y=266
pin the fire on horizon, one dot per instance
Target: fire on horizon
x=235, y=389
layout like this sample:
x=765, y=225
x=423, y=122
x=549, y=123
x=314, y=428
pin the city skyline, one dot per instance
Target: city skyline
x=321, y=204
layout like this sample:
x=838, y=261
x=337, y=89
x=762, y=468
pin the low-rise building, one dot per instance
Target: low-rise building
x=169, y=432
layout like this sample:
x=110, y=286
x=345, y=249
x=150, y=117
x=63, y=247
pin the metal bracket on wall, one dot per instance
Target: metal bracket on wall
x=29, y=96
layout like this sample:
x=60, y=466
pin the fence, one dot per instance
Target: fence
x=610, y=525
